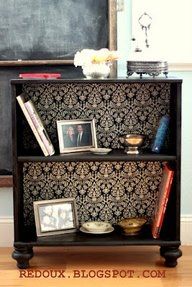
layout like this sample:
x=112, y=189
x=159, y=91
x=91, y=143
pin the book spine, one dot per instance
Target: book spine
x=164, y=206
x=158, y=223
x=21, y=102
x=161, y=134
x=39, y=126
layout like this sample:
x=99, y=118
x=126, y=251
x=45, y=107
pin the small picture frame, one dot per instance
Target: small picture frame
x=57, y=216
x=76, y=135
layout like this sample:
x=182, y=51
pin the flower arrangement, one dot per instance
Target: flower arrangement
x=95, y=63
x=90, y=56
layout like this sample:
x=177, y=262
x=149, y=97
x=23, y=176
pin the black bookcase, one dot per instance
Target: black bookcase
x=113, y=186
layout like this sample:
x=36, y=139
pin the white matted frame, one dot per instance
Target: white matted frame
x=57, y=216
x=76, y=135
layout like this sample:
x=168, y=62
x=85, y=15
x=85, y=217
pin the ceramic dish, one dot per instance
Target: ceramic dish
x=101, y=151
x=96, y=226
x=109, y=230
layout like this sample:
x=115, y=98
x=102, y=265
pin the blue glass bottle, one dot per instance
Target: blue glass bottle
x=161, y=134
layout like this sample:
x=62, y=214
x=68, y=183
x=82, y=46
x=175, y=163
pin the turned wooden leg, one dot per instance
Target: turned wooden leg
x=171, y=254
x=22, y=255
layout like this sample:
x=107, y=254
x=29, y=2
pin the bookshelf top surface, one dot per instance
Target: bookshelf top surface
x=108, y=80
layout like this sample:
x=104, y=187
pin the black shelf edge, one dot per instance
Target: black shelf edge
x=115, y=238
x=116, y=155
x=108, y=80
x=80, y=239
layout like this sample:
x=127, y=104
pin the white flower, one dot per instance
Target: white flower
x=90, y=56
x=84, y=57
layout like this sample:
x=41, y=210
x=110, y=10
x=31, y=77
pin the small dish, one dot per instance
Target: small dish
x=109, y=230
x=132, y=226
x=96, y=226
x=101, y=151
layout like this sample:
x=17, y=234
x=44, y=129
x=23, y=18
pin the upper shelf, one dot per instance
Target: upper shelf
x=115, y=155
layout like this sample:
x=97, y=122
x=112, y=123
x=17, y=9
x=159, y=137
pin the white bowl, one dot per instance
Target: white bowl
x=96, y=71
x=100, y=150
x=96, y=226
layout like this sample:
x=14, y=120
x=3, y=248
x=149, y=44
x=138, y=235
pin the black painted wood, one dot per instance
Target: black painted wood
x=171, y=254
x=115, y=155
x=175, y=81
x=97, y=240
x=170, y=235
x=22, y=255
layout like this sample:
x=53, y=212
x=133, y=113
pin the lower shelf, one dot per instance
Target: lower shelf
x=169, y=249
x=81, y=239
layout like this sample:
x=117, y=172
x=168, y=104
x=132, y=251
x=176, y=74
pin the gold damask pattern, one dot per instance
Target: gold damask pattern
x=103, y=190
x=118, y=108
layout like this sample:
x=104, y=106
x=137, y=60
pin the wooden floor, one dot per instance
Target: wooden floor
x=96, y=266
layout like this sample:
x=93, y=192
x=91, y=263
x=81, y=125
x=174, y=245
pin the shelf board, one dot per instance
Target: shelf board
x=115, y=155
x=82, y=239
x=108, y=80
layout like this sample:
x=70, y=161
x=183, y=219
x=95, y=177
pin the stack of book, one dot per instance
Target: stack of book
x=36, y=125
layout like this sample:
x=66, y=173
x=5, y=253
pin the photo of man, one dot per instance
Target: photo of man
x=84, y=135
x=76, y=135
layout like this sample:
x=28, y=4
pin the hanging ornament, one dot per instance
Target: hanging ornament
x=145, y=22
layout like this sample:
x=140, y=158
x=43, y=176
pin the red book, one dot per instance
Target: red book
x=164, y=192
x=40, y=75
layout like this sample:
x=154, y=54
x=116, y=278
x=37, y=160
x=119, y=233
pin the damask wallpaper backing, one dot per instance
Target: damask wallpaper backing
x=118, y=108
x=103, y=190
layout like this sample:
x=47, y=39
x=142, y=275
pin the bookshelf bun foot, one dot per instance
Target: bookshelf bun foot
x=171, y=254
x=22, y=255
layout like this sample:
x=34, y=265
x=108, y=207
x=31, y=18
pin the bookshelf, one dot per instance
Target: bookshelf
x=108, y=187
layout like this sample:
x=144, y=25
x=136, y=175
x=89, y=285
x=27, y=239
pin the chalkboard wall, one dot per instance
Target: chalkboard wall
x=45, y=34
x=51, y=29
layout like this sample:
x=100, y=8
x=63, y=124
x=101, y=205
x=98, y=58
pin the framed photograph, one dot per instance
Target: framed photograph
x=76, y=135
x=55, y=216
